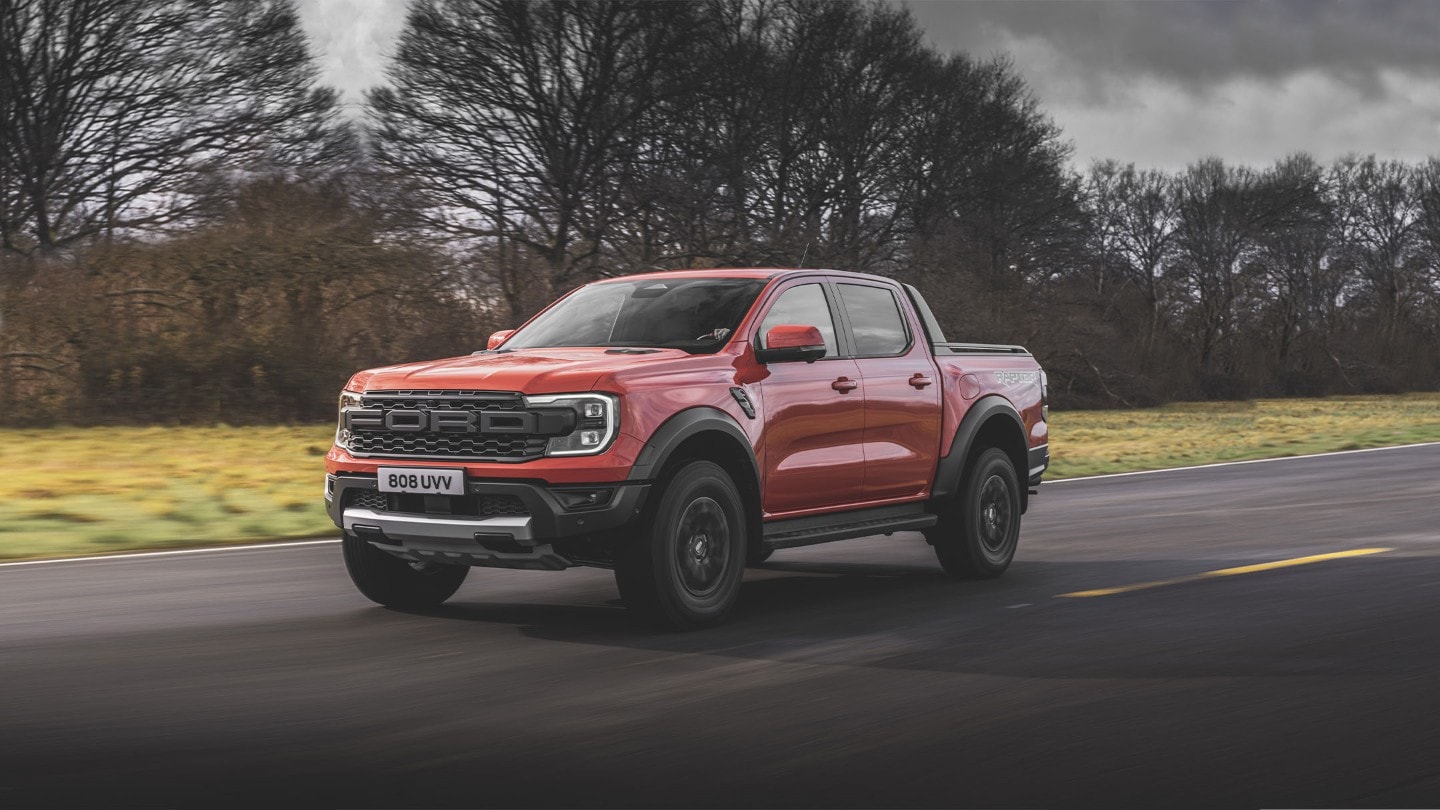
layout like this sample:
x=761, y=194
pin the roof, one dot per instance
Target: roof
x=746, y=272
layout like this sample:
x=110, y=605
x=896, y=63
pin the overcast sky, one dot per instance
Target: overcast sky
x=1157, y=83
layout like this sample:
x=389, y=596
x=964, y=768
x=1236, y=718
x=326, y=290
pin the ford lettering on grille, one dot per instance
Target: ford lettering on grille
x=452, y=425
x=403, y=420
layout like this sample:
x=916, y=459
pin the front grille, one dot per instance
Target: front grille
x=439, y=445
x=490, y=445
x=367, y=499
x=484, y=505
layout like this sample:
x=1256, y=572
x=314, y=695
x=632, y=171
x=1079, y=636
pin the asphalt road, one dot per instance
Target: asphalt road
x=852, y=674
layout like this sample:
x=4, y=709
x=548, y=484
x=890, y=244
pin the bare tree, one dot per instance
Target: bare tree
x=1428, y=232
x=116, y=110
x=516, y=120
x=1381, y=202
x=1134, y=228
x=1215, y=207
x=1303, y=271
x=990, y=169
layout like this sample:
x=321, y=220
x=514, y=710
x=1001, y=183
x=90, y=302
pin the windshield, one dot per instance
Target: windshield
x=694, y=314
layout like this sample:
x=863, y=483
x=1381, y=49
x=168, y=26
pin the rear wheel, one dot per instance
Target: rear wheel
x=397, y=583
x=979, y=529
x=684, y=569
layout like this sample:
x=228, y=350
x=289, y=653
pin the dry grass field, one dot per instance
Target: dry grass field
x=1183, y=434
x=74, y=491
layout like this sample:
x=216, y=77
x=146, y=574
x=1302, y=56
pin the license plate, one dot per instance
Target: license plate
x=422, y=480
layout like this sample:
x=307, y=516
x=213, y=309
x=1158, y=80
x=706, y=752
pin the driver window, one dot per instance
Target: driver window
x=803, y=306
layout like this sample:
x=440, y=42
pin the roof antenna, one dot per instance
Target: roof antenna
x=804, y=254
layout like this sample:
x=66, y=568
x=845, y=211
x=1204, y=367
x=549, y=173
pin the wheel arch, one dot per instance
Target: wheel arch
x=991, y=422
x=707, y=434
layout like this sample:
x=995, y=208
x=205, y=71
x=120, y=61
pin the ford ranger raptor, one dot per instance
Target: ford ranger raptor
x=674, y=427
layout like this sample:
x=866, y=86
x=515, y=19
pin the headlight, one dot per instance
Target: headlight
x=348, y=399
x=1044, y=396
x=597, y=419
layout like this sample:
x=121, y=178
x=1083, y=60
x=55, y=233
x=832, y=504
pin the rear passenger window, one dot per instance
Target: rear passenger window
x=802, y=306
x=875, y=320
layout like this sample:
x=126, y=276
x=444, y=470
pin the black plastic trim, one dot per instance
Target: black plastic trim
x=978, y=348
x=680, y=427
x=1039, y=463
x=951, y=468
x=844, y=342
x=827, y=528
x=549, y=518
x=743, y=400
x=928, y=321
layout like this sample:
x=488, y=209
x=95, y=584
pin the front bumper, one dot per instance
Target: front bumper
x=501, y=541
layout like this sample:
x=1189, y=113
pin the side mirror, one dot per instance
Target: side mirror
x=499, y=338
x=789, y=342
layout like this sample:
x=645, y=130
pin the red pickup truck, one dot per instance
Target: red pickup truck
x=675, y=426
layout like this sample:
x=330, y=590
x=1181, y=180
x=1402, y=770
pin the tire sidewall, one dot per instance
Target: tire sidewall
x=993, y=463
x=698, y=479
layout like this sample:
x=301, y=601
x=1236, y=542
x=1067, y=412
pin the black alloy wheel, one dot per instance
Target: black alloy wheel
x=702, y=548
x=684, y=567
x=979, y=529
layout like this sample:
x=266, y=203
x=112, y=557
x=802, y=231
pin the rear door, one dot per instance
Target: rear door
x=902, y=391
x=814, y=412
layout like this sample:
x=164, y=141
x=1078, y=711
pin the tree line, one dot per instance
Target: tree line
x=193, y=229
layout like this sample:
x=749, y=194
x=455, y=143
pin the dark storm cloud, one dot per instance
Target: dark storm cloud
x=1195, y=43
x=1163, y=83
x=1157, y=83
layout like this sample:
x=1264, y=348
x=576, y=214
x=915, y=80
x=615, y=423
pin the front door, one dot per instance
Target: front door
x=814, y=414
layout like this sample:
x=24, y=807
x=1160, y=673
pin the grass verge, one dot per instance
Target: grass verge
x=78, y=491
x=1189, y=433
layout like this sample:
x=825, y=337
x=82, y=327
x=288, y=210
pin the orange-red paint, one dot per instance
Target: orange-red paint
x=832, y=434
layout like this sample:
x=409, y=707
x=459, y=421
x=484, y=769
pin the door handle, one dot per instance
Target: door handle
x=920, y=380
x=844, y=385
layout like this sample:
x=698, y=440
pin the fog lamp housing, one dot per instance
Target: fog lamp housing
x=575, y=500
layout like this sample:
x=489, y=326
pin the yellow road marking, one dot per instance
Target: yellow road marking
x=1230, y=572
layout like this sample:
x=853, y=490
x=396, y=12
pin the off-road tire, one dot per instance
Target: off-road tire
x=683, y=569
x=979, y=528
x=393, y=582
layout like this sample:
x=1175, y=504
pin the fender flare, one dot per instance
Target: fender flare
x=669, y=436
x=951, y=469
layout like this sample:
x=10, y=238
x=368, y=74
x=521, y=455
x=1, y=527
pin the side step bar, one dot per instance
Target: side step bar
x=846, y=525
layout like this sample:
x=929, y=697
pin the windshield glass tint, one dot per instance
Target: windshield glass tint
x=694, y=314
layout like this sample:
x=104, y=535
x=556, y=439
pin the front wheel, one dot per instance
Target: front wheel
x=684, y=569
x=397, y=583
x=980, y=528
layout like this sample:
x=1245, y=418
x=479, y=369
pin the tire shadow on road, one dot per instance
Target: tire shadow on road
x=811, y=600
x=912, y=618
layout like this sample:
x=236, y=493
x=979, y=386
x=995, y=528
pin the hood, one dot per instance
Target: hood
x=529, y=371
